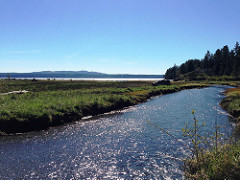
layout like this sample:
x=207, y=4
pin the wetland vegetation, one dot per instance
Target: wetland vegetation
x=222, y=161
x=50, y=103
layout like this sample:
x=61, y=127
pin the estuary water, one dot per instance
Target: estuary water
x=120, y=145
x=92, y=79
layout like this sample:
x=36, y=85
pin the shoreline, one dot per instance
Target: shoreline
x=229, y=103
x=222, y=160
x=14, y=126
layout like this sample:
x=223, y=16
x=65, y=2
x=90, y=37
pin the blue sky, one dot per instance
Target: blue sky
x=112, y=36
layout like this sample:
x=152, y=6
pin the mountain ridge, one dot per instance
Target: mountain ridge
x=74, y=74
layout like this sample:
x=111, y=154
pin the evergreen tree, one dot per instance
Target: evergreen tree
x=237, y=49
x=206, y=61
x=182, y=69
x=223, y=62
x=217, y=62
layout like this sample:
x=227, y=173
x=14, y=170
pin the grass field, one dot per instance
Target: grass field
x=50, y=103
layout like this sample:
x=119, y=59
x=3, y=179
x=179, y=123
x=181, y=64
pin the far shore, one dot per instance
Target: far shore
x=85, y=79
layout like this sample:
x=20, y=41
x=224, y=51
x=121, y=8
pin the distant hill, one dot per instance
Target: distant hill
x=73, y=74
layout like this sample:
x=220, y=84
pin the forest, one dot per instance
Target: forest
x=224, y=64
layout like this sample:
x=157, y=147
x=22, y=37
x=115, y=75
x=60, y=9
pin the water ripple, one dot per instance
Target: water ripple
x=120, y=145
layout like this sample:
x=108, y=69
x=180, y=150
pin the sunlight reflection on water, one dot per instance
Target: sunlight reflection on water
x=114, y=146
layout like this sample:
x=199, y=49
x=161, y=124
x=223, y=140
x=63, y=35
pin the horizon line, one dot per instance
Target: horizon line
x=79, y=71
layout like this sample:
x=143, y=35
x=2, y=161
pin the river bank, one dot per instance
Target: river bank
x=232, y=102
x=51, y=103
x=222, y=160
x=135, y=149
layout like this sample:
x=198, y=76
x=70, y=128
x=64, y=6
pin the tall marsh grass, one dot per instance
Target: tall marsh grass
x=51, y=103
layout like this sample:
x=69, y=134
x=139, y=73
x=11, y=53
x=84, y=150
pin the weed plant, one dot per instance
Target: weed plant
x=194, y=134
x=221, y=161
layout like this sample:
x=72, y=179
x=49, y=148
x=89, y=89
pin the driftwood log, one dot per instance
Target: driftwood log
x=15, y=92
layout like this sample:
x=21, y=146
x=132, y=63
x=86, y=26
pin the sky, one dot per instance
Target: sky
x=113, y=36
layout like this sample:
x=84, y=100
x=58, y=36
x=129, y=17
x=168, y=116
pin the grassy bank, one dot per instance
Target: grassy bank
x=50, y=103
x=229, y=83
x=223, y=162
x=223, y=165
x=232, y=102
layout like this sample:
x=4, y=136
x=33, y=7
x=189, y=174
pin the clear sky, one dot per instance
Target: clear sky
x=113, y=36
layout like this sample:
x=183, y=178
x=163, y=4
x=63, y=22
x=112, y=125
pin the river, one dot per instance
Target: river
x=120, y=145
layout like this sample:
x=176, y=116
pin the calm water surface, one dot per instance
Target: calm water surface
x=116, y=146
x=97, y=79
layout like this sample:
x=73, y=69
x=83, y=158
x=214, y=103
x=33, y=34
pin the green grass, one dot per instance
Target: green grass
x=49, y=103
x=224, y=165
x=43, y=85
x=210, y=82
x=232, y=102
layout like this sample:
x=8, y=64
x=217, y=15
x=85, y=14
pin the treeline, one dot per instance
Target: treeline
x=224, y=64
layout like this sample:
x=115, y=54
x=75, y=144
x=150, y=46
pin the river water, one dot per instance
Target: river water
x=121, y=145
